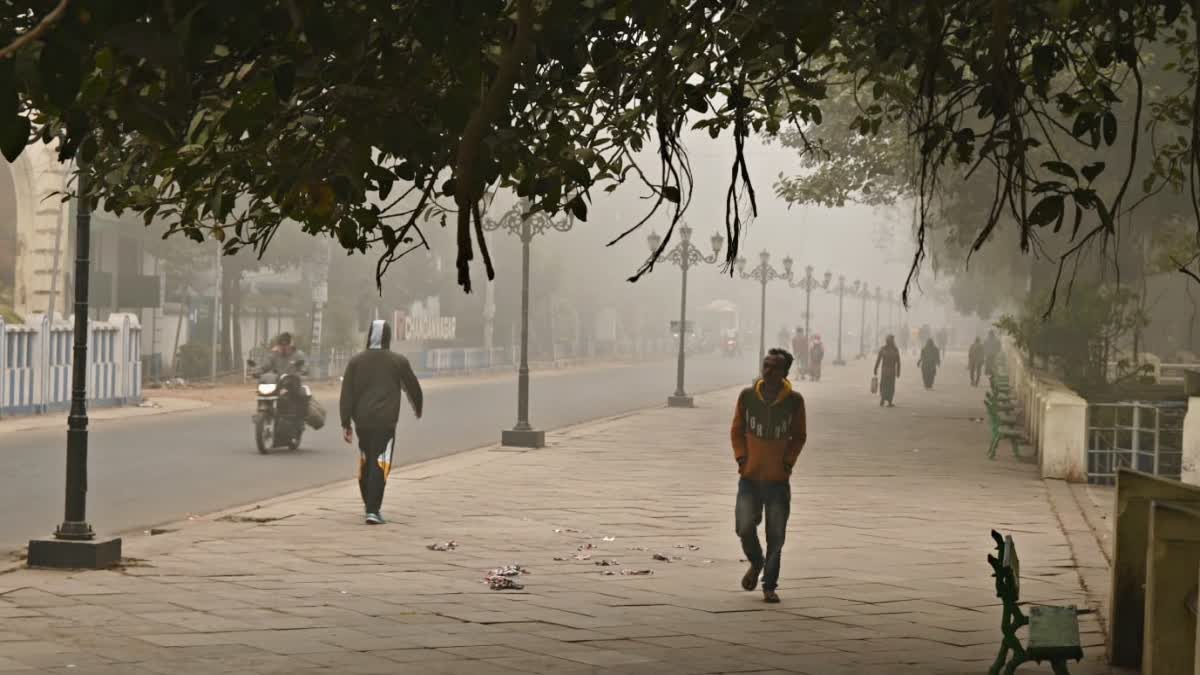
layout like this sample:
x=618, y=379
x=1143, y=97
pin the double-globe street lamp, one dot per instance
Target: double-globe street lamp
x=685, y=255
x=809, y=283
x=525, y=226
x=841, y=293
x=763, y=273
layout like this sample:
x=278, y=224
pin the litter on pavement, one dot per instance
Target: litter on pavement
x=636, y=573
x=503, y=578
x=443, y=546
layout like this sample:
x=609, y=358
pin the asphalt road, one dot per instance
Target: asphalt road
x=150, y=470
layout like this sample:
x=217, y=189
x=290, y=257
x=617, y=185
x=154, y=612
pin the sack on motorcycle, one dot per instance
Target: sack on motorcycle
x=316, y=414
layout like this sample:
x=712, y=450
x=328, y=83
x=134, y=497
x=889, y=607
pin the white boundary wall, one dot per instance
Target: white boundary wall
x=1055, y=419
x=36, y=360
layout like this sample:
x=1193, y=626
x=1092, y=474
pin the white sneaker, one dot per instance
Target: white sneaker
x=374, y=519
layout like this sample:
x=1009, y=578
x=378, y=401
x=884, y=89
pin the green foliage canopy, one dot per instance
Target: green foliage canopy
x=368, y=119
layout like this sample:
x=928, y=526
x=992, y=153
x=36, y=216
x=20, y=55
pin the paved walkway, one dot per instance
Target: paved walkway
x=884, y=570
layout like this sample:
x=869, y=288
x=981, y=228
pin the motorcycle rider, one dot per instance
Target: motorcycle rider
x=282, y=360
x=370, y=405
x=283, y=357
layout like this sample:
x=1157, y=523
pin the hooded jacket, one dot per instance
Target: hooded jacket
x=767, y=436
x=374, y=381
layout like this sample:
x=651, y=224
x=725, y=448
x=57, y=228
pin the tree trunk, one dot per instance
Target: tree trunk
x=236, y=317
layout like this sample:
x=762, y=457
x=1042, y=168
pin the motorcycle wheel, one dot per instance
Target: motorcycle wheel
x=264, y=435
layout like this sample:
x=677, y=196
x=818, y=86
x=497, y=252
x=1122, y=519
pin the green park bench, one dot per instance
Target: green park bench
x=1053, y=631
x=1003, y=428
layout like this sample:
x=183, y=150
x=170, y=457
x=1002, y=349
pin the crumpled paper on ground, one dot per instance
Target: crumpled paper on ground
x=503, y=578
x=443, y=546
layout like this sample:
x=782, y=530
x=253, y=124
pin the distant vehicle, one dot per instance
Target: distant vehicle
x=731, y=346
x=281, y=410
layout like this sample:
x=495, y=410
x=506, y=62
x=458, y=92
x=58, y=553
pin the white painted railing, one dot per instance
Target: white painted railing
x=36, y=359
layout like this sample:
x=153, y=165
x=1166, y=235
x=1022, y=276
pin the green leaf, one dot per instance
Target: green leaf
x=14, y=138
x=1109, y=124
x=1091, y=171
x=1062, y=169
x=285, y=80
x=579, y=208
x=1046, y=211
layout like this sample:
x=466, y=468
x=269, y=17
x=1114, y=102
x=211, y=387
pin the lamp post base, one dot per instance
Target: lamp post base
x=523, y=438
x=91, y=554
x=678, y=401
x=839, y=362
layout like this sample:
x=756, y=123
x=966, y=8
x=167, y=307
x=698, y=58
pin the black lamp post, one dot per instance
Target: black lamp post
x=74, y=545
x=685, y=255
x=809, y=283
x=891, y=303
x=878, y=328
x=864, y=293
x=526, y=227
x=841, y=293
x=763, y=273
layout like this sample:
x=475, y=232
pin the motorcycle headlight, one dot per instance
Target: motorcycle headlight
x=266, y=389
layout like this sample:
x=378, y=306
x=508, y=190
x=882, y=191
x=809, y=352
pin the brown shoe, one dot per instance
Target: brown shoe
x=750, y=580
x=771, y=597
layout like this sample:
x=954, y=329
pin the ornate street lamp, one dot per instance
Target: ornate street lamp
x=525, y=226
x=685, y=255
x=75, y=545
x=841, y=293
x=809, y=283
x=763, y=273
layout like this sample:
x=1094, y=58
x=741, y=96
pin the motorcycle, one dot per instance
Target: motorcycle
x=730, y=347
x=282, y=405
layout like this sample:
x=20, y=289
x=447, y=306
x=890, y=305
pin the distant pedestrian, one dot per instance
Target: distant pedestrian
x=800, y=346
x=768, y=433
x=975, y=361
x=887, y=367
x=930, y=359
x=815, y=356
x=370, y=405
x=991, y=351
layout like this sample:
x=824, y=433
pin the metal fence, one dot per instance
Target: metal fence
x=1142, y=435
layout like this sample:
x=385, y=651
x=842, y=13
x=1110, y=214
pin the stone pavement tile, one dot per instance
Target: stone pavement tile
x=9, y=664
x=352, y=662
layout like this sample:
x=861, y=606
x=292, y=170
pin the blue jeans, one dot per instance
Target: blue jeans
x=753, y=498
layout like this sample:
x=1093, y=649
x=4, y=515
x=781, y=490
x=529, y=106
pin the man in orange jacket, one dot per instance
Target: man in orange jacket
x=768, y=432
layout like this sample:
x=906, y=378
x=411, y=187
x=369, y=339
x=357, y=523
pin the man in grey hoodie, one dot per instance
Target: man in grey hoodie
x=370, y=405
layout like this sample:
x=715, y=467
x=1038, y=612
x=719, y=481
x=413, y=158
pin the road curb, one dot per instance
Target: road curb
x=162, y=406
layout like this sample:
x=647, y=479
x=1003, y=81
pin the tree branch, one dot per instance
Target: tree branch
x=37, y=31
x=467, y=186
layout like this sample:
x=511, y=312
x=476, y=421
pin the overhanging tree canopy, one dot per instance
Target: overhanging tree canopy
x=366, y=119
